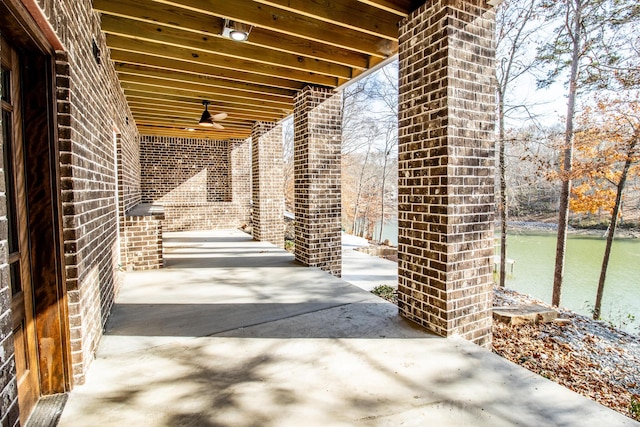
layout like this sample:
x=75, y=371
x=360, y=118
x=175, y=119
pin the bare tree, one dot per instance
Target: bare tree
x=287, y=145
x=391, y=141
x=581, y=46
x=514, y=31
x=369, y=141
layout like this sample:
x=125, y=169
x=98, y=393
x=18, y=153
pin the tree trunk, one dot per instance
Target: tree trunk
x=357, y=204
x=384, y=179
x=565, y=193
x=519, y=20
x=612, y=231
x=503, y=194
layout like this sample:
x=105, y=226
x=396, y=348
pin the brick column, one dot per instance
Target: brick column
x=446, y=161
x=317, y=145
x=240, y=160
x=268, y=183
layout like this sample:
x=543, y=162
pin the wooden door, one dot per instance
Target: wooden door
x=18, y=234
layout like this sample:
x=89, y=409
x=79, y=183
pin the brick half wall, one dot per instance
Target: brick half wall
x=142, y=239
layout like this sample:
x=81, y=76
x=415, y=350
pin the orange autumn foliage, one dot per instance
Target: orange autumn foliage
x=607, y=138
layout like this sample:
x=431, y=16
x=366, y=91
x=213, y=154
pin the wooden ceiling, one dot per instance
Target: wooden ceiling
x=170, y=56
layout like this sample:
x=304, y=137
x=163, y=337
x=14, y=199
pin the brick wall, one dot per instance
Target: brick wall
x=317, y=144
x=198, y=181
x=129, y=192
x=128, y=170
x=446, y=157
x=268, y=183
x=91, y=107
x=240, y=157
x=143, y=239
x=203, y=216
x=178, y=170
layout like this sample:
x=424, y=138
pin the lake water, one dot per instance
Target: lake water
x=534, y=255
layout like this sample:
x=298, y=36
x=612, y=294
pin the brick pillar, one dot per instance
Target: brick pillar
x=268, y=183
x=240, y=160
x=446, y=161
x=317, y=145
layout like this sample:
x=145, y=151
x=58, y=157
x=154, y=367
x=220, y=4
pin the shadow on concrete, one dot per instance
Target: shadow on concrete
x=212, y=261
x=242, y=345
x=324, y=319
x=185, y=239
x=230, y=381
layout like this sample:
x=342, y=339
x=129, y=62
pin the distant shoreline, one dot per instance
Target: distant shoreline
x=550, y=227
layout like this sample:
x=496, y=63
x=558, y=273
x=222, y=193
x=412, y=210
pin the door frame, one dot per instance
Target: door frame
x=25, y=350
x=33, y=38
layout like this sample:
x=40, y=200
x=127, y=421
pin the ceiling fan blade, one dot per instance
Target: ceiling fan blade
x=219, y=116
x=218, y=126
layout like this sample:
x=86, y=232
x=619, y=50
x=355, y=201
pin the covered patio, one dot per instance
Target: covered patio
x=236, y=332
x=102, y=108
x=254, y=63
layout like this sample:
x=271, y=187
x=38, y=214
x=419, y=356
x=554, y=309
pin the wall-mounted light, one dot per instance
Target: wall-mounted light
x=235, y=30
x=96, y=52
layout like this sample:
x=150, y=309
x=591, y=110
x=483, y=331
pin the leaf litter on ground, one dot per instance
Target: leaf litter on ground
x=587, y=356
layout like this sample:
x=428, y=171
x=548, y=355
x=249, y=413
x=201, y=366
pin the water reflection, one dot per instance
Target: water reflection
x=534, y=255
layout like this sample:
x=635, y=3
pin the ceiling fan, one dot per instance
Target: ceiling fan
x=209, y=120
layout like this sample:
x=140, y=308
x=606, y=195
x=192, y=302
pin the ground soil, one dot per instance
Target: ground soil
x=589, y=357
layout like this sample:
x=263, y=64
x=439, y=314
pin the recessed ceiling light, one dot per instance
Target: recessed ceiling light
x=236, y=31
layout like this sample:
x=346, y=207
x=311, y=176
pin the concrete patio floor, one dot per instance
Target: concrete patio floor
x=235, y=333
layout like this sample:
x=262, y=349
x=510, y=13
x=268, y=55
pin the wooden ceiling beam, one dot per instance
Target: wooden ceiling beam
x=193, y=120
x=189, y=118
x=218, y=135
x=178, y=77
x=402, y=8
x=180, y=18
x=201, y=96
x=170, y=56
x=122, y=57
x=218, y=45
x=173, y=109
x=348, y=14
x=216, y=103
x=156, y=106
x=214, y=91
x=187, y=123
x=191, y=55
x=186, y=127
x=197, y=96
x=287, y=22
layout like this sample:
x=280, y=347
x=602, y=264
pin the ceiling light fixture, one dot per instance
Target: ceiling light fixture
x=236, y=31
x=206, y=119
